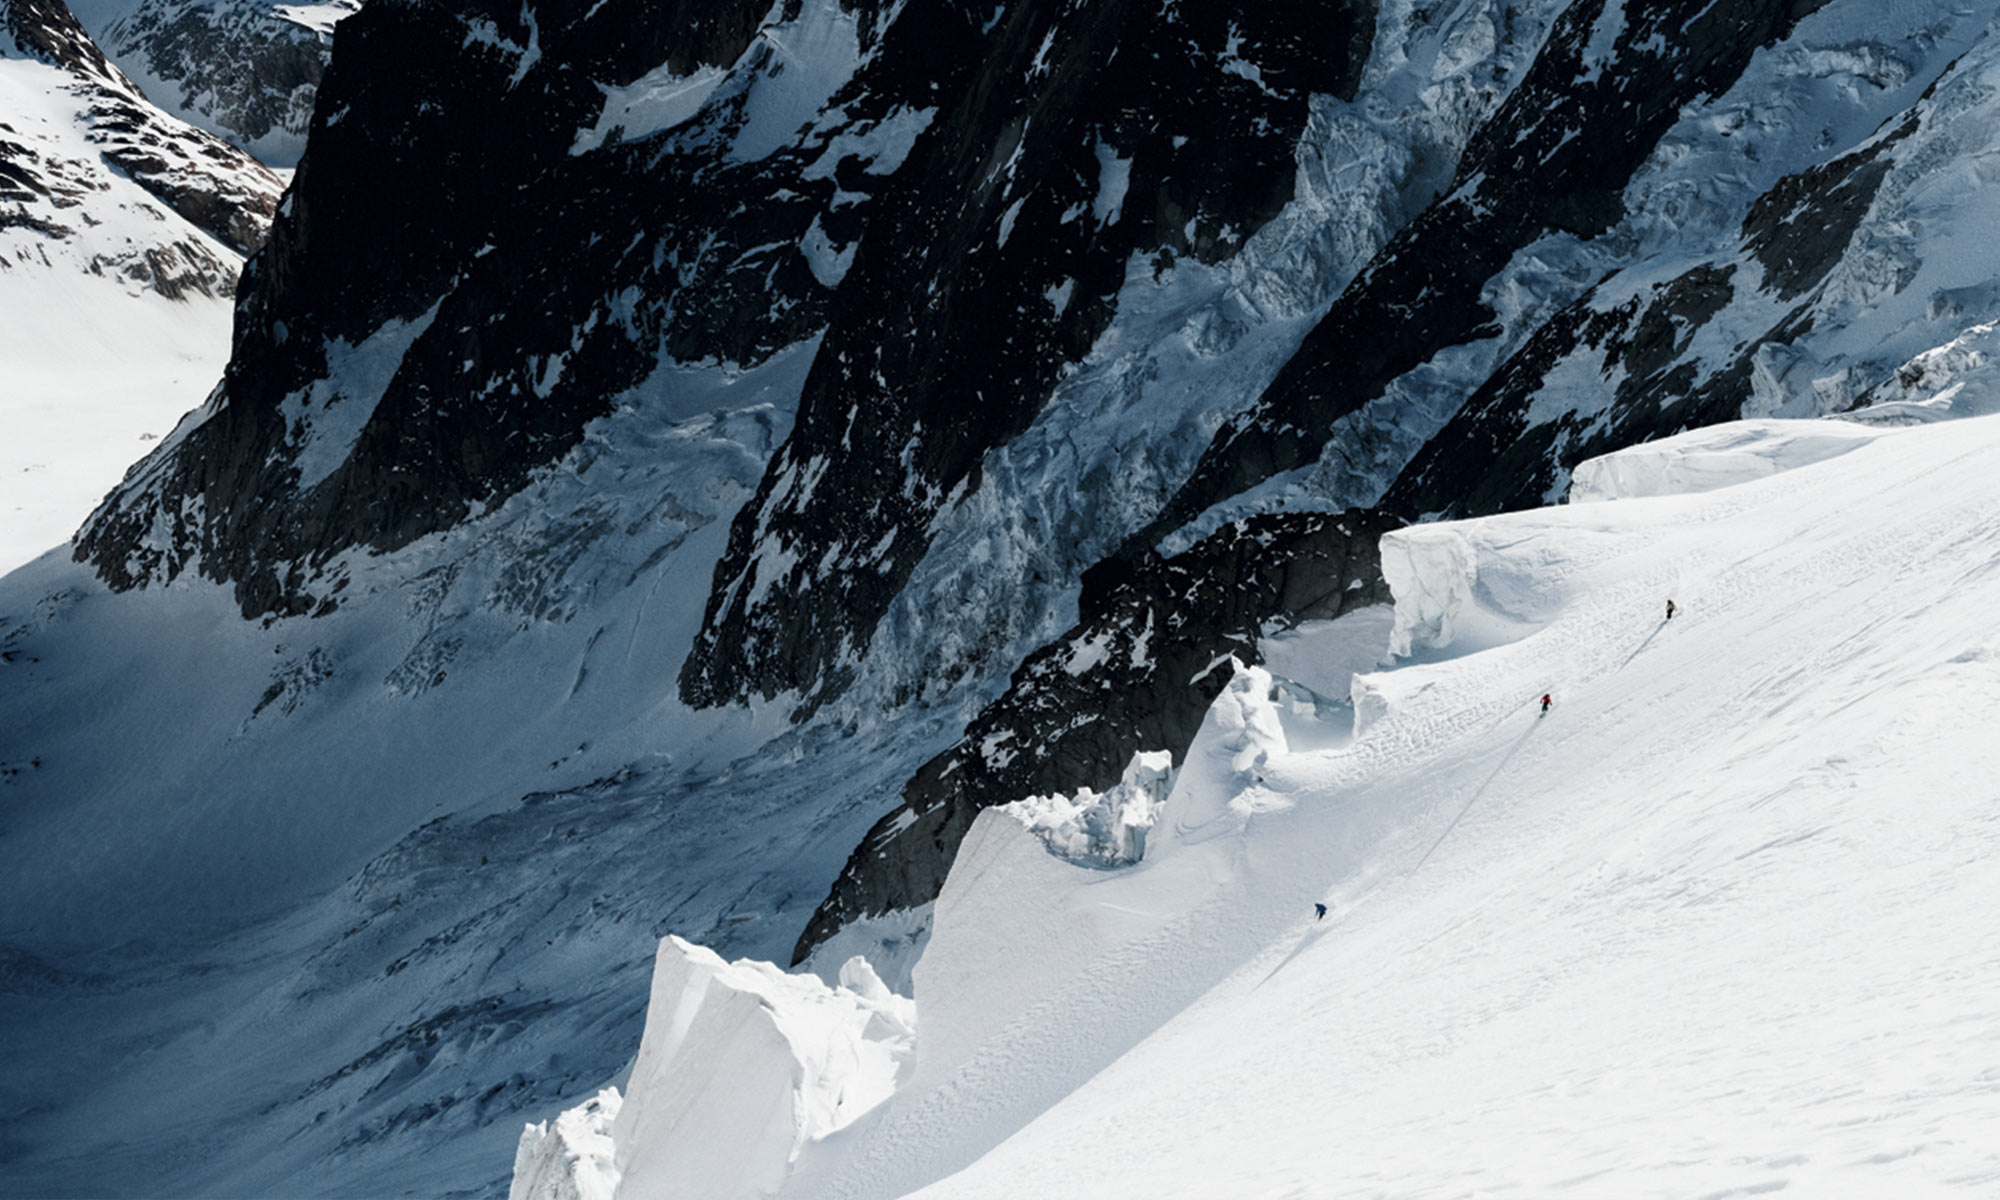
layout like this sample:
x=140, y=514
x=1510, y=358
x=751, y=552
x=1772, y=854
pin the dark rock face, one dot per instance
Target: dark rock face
x=1557, y=157
x=211, y=185
x=1138, y=672
x=1492, y=457
x=1070, y=139
x=47, y=30
x=1798, y=230
x=509, y=323
x=522, y=322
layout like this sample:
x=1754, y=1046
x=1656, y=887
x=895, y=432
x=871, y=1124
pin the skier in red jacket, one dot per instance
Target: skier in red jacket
x=1545, y=703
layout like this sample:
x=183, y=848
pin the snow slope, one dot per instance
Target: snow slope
x=1717, y=925
x=115, y=305
x=83, y=403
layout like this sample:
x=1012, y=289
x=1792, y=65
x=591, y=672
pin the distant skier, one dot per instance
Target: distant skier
x=1321, y=910
x=1670, y=610
x=1545, y=703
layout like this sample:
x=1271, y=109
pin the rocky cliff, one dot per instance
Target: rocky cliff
x=972, y=219
x=1151, y=649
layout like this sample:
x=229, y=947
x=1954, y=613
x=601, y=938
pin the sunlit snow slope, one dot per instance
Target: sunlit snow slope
x=82, y=405
x=1718, y=924
x=121, y=234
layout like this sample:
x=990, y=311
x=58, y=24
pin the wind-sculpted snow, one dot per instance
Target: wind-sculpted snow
x=1431, y=572
x=1696, y=931
x=1702, y=460
x=742, y=1068
x=1106, y=830
x=576, y=1160
x=1151, y=648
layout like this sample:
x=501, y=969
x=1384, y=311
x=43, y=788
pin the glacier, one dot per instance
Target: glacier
x=1709, y=926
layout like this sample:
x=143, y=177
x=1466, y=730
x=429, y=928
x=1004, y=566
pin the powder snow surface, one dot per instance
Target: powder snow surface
x=94, y=365
x=1718, y=924
x=80, y=405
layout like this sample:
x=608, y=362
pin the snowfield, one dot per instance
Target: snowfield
x=1717, y=925
x=82, y=405
x=96, y=363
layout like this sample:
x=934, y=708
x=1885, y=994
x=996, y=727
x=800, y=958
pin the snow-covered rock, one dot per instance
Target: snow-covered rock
x=1107, y=829
x=1951, y=380
x=245, y=70
x=1151, y=648
x=122, y=231
x=572, y=1157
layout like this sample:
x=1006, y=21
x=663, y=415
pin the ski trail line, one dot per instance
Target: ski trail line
x=1642, y=646
x=1476, y=794
x=1310, y=936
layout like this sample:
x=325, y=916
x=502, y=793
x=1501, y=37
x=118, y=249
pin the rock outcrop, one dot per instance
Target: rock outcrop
x=1150, y=651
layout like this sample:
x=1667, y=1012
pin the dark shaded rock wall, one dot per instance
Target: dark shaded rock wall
x=1147, y=656
x=535, y=285
x=1491, y=457
x=1557, y=157
x=1081, y=135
